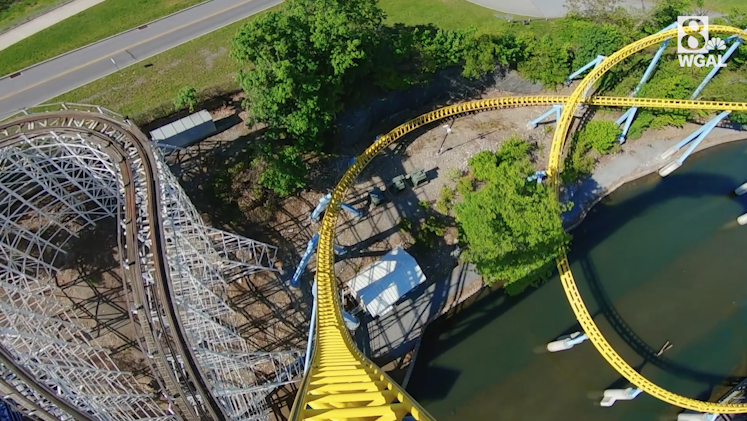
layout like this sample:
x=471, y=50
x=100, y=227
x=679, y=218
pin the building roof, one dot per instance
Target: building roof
x=185, y=131
x=384, y=282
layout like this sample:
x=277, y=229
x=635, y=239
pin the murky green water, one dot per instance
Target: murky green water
x=660, y=259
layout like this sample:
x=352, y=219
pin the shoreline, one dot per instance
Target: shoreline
x=606, y=179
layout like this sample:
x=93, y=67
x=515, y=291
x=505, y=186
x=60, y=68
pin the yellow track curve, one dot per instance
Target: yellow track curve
x=566, y=277
x=342, y=384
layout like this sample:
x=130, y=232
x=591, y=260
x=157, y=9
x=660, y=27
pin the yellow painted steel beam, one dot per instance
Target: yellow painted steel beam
x=566, y=276
x=342, y=384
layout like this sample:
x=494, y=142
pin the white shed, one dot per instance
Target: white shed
x=380, y=285
x=186, y=131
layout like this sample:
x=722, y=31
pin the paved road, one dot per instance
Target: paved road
x=49, y=79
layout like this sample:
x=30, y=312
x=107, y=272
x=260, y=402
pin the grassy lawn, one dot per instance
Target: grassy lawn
x=446, y=14
x=98, y=22
x=723, y=5
x=146, y=92
x=15, y=12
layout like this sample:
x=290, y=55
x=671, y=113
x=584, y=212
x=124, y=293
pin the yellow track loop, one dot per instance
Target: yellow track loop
x=342, y=384
x=569, y=284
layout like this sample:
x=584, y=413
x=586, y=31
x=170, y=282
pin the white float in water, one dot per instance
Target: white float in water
x=567, y=342
x=742, y=220
x=696, y=417
x=741, y=189
x=669, y=168
x=613, y=395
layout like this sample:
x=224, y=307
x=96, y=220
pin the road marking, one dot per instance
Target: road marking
x=74, y=69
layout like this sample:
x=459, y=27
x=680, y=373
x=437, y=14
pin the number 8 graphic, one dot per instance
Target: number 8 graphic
x=694, y=39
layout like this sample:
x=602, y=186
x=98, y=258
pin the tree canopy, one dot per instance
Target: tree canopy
x=302, y=64
x=299, y=60
x=512, y=226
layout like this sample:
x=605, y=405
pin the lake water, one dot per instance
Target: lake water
x=659, y=259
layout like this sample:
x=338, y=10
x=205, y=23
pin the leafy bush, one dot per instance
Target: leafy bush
x=738, y=118
x=446, y=201
x=187, y=97
x=483, y=164
x=601, y=135
x=597, y=135
x=588, y=39
x=465, y=185
x=664, y=13
x=485, y=51
x=405, y=225
x=578, y=164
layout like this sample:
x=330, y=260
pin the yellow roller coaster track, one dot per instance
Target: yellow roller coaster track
x=342, y=384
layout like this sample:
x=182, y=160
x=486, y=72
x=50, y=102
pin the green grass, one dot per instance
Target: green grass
x=145, y=93
x=96, y=23
x=446, y=14
x=723, y=5
x=18, y=11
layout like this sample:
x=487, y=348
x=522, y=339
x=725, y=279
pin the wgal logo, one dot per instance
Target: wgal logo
x=693, y=45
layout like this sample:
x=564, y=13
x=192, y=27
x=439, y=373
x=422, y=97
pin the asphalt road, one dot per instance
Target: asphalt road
x=49, y=79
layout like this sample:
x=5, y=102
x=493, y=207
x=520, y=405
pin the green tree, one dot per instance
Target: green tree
x=512, y=226
x=546, y=61
x=588, y=40
x=283, y=172
x=737, y=17
x=186, y=97
x=664, y=13
x=669, y=81
x=298, y=62
x=485, y=51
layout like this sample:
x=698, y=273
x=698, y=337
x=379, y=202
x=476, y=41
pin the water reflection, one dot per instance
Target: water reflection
x=659, y=260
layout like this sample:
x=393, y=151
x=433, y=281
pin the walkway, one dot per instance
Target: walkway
x=541, y=8
x=44, y=21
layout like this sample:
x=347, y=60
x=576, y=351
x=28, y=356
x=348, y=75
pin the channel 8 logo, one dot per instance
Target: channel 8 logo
x=692, y=34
